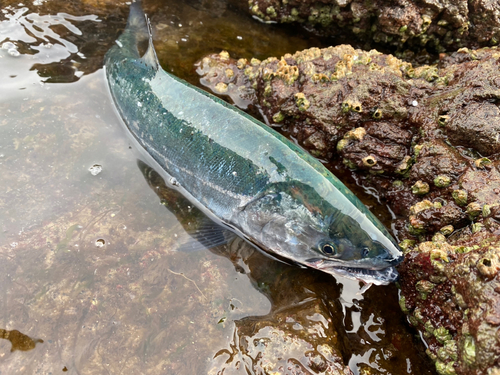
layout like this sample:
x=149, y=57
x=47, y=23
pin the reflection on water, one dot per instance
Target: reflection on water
x=89, y=255
x=47, y=39
x=19, y=340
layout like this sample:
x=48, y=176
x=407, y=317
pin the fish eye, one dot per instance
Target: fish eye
x=364, y=252
x=328, y=249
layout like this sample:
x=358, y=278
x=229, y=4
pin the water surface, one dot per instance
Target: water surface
x=91, y=276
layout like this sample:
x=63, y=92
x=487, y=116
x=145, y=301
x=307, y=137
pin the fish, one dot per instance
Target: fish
x=248, y=178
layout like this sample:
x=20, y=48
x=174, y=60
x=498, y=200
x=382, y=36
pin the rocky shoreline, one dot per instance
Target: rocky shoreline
x=426, y=138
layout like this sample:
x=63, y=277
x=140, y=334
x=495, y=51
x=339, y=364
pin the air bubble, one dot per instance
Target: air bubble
x=8, y=45
x=13, y=52
x=95, y=169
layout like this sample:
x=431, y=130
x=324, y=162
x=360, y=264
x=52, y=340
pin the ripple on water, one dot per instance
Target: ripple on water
x=42, y=45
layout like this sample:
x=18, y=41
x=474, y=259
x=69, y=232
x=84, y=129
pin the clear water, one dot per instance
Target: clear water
x=89, y=260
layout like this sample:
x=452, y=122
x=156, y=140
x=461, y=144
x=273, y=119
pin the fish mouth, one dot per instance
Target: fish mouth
x=379, y=276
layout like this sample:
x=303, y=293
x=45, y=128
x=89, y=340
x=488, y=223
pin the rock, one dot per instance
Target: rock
x=459, y=317
x=444, y=25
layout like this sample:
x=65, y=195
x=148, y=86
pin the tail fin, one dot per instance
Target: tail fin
x=140, y=26
x=137, y=21
x=150, y=57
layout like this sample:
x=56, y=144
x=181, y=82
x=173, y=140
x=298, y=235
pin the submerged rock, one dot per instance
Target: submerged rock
x=426, y=139
x=444, y=25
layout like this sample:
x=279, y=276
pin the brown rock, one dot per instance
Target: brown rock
x=444, y=26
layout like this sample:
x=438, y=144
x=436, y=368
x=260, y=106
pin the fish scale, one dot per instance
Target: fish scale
x=243, y=173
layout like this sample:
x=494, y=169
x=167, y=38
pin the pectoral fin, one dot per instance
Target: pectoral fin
x=206, y=236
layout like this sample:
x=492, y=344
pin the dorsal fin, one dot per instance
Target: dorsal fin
x=150, y=57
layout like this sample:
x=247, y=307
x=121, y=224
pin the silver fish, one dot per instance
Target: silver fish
x=242, y=173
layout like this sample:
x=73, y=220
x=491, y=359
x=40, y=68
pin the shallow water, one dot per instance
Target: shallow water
x=90, y=275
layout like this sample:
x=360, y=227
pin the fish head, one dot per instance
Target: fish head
x=352, y=246
x=351, y=253
x=357, y=255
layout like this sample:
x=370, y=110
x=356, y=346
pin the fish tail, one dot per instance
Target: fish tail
x=137, y=21
x=139, y=25
x=150, y=58
x=135, y=32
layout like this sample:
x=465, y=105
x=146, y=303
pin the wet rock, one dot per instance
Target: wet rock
x=434, y=216
x=444, y=25
x=477, y=125
x=482, y=186
x=383, y=150
x=419, y=137
x=437, y=163
x=459, y=315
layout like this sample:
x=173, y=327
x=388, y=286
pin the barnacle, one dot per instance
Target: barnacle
x=288, y=73
x=460, y=197
x=473, y=210
x=443, y=120
x=241, y=63
x=420, y=188
x=442, y=181
x=489, y=264
x=377, y=114
x=438, y=237
x=301, y=101
x=342, y=144
x=224, y=55
x=369, y=161
x=482, y=162
x=349, y=164
x=442, y=334
x=221, y=88
x=469, y=350
x=404, y=167
x=357, y=134
x=278, y=117
x=447, y=230
x=320, y=77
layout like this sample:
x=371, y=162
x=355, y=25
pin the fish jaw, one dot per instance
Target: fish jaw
x=382, y=276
